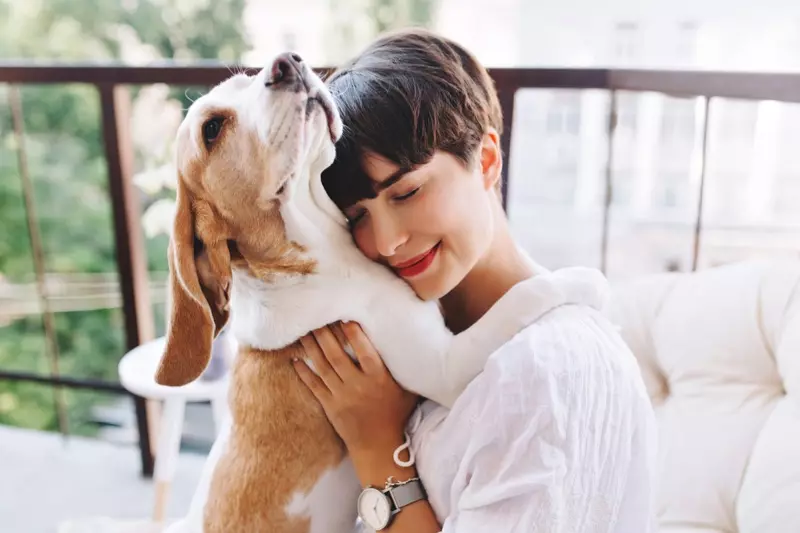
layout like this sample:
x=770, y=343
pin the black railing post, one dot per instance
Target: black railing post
x=506, y=95
x=698, y=223
x=130, y=251
x=608, y=198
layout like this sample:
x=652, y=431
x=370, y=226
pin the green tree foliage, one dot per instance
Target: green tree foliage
x=68, y=169
x=355, y=23
x=392, y=14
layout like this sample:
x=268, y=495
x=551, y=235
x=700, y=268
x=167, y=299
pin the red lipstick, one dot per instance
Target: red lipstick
x=417, y=265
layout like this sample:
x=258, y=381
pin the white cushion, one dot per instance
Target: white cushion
x=720, y=354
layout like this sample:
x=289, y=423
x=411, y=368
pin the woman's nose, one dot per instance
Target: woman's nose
x=389, y=234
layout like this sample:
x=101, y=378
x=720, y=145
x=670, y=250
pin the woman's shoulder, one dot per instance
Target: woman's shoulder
x=553, y=373
x=568, y=343
x=556, y=370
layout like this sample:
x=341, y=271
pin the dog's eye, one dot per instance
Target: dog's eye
x=212, y=129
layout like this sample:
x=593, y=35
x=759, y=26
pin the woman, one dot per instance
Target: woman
x=557, y=432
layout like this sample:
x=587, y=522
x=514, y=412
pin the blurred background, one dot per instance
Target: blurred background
x=670, y=171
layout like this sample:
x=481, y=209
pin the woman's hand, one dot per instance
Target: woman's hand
x=367, y=408
x=365, y=405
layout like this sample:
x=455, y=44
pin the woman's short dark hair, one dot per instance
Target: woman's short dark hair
x=409, y=94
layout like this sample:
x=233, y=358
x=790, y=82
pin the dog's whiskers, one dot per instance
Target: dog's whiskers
x=192, y=100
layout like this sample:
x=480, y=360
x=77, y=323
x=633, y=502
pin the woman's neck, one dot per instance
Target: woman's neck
x=501, y=267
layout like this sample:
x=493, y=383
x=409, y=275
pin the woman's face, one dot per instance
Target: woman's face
x=432, y=224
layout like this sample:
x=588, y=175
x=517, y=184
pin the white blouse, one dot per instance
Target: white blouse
x=557, y=434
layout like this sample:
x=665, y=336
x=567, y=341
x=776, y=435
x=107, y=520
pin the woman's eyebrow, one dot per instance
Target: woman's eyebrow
x=393, y=178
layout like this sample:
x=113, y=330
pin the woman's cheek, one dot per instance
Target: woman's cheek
x=435, y=211
x=361, y=236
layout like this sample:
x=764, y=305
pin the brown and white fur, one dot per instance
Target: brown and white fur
x=256, y=239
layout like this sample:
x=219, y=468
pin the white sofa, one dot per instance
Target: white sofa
x=720, y=354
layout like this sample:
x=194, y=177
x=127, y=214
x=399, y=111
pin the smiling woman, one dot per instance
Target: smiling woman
x=557, y=432
x=422, y=196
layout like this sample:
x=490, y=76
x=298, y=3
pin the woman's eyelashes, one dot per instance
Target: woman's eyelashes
x=354, y=218
x=407, y=195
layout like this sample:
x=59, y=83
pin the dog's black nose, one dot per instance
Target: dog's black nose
x=286, y=69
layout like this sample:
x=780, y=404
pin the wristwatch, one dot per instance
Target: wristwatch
x=377, y=508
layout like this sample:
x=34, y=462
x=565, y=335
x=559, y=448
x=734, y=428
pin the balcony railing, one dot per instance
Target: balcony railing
x=134, y=287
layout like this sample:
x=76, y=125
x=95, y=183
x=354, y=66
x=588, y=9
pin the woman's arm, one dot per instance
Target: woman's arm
x=368, y=409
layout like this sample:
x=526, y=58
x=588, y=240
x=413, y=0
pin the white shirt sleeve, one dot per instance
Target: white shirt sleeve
x=560, y=437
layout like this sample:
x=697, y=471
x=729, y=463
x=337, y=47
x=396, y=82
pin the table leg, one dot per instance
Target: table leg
x=169, y=441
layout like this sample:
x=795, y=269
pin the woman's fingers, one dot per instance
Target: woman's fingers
x=313, y=382
x=368, y=358
x=338, y=332
x=335, y=354
x=319, y=363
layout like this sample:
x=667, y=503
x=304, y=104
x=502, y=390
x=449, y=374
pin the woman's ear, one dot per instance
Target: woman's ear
x=491, y=159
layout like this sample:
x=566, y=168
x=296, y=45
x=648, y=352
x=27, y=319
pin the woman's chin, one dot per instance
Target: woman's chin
x=436, y=282
x=429, y=289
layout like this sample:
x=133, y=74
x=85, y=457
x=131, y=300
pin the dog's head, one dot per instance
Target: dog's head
x=240, y=149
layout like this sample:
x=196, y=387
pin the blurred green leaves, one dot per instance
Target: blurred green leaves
x=69, y=174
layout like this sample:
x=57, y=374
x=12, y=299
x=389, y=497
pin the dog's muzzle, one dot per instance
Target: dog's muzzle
x=287, y=73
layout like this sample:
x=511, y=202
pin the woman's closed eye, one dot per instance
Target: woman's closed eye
x=354, y=217
x=407, y=195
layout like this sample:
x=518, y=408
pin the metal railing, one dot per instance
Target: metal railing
x=111, y=82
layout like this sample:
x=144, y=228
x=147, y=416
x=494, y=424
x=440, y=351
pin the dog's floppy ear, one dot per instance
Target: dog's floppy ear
x=199, y=286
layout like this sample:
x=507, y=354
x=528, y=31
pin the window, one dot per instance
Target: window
x=289, y=39
x=623, y=182
x=786, y=195
x=678, y=121
x=563, y=122
x=686, y=48
x=556, y=187
x=671, y=190
x=737, y=121
x=626, y=42
x=788, y=135
x=627, y=113
x=726, y=195
x=564, y=114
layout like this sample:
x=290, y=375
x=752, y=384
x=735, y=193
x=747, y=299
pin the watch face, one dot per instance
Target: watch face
x=374, y=508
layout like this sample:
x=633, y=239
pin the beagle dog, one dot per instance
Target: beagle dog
x=257, y=240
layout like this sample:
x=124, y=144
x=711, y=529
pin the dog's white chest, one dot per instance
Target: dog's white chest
x=331, y=502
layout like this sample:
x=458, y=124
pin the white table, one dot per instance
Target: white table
x=137, y=371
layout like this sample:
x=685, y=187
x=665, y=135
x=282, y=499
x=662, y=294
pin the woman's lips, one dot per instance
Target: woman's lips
x=417, y=265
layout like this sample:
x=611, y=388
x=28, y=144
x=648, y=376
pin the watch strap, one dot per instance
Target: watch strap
x=406, y=494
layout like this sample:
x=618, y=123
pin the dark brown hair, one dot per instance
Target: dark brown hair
x=409, y=94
